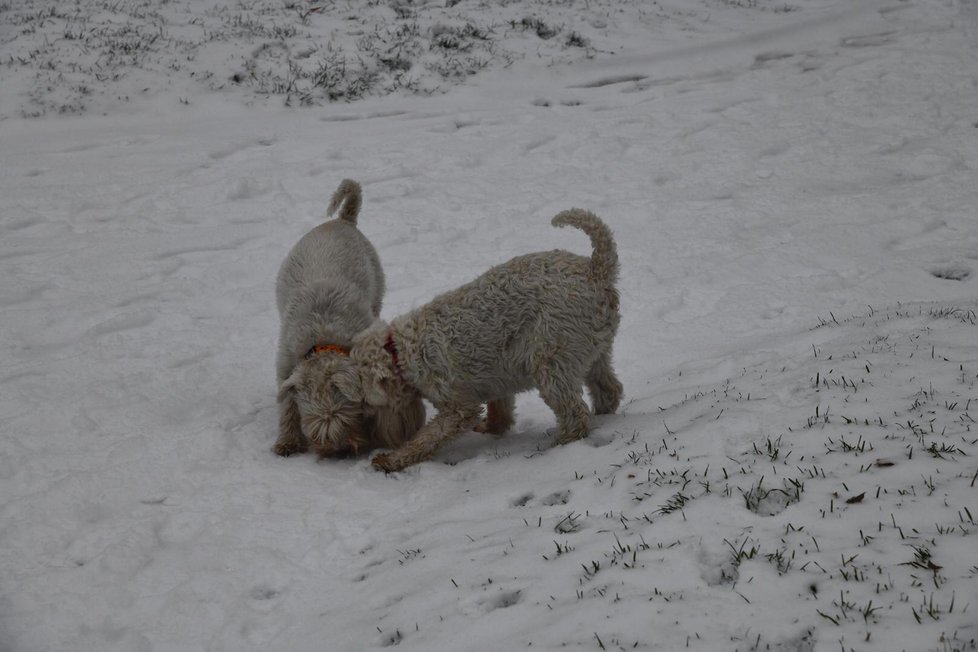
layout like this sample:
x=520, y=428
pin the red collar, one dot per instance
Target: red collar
x=319, y=349
x=391, y=348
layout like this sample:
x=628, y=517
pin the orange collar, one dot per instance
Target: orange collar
x=319, y=349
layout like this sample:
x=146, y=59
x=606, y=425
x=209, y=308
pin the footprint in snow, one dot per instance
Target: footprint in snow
x=264, y=593
x=952, y=272
x=762, y=59
x=611, y=81
x=557, y=498
x=502, y=600
x=866, y=40
x=231, y=150
x=122, y=323
x=538, y=143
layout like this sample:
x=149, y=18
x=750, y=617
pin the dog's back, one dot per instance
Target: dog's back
x=334, y=253
x=492, y=332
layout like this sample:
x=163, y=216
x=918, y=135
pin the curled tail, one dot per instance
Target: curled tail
x=604, y=259
x=348, y=193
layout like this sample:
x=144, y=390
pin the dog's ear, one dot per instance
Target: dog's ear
x=288, y=386
x=378, y=385
x=374, y=394
x=349, y=383
x=373, y=382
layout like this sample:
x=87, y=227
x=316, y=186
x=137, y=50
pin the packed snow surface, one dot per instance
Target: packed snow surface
x=792, y=187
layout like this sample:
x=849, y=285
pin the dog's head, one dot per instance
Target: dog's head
x=343, y=410
x=327, y=391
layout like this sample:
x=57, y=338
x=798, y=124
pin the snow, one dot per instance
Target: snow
x=792, y=188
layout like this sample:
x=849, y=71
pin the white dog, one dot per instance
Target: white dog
x=329, y=288
x=545, y=320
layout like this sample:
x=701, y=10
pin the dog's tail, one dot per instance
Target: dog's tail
x=351, y=197
x=604, y=259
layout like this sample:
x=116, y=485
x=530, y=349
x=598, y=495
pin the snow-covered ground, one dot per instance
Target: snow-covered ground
x=792, y=187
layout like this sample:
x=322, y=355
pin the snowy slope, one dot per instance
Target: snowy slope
x=792, y=188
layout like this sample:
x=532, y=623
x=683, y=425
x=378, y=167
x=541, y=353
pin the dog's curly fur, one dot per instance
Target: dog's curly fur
x=329, y=288
x=544, y=320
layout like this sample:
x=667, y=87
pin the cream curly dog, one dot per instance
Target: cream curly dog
x=544, y=320
x=329, y=288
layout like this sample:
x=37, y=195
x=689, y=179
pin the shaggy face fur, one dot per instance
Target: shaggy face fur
x=329, y=288
x=332, y=418
x=544, y=321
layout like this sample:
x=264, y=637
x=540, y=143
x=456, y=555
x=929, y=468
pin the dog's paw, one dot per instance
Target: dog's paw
x=388, y=462
x=287, y=448
x=486, y=428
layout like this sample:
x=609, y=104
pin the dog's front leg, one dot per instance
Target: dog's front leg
x=290, y=438
x=449, y=422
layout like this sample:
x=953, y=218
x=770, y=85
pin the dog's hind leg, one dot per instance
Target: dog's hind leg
x=563, y=396
x=449, y=422
x=499, y=416
x=604, y=386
